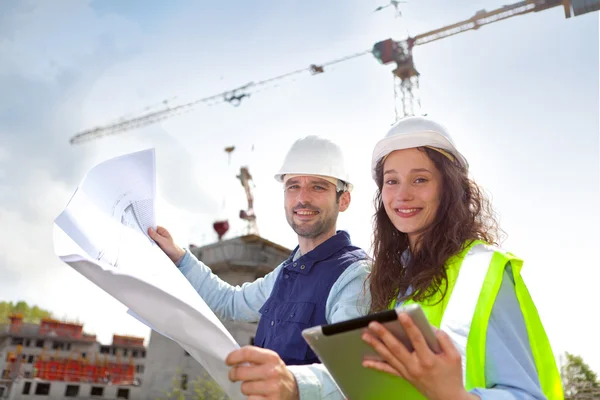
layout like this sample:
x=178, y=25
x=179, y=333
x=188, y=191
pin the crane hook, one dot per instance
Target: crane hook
x=236, y=100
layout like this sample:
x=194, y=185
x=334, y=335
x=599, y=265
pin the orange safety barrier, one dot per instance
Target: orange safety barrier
x=69, y=370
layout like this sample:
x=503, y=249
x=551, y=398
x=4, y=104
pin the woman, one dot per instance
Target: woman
x=435, y=245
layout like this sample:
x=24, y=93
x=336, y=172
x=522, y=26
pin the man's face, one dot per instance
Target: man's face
x=311, y=205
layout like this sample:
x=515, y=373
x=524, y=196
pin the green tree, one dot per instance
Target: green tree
x=4, y=311
x=202, y=387
x=579, y=381
x=177, y=391
x=21, y=308
x=30, y=314
x=36, y=314
x=205, y=388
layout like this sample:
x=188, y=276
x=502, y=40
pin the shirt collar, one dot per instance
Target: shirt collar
x=322, y=252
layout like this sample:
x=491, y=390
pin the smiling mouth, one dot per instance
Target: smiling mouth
x=407, y=210
x=306, y=213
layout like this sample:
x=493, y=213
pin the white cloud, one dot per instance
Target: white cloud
x=42, y=39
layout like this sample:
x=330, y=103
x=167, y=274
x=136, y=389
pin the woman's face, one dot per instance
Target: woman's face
x=411, y=191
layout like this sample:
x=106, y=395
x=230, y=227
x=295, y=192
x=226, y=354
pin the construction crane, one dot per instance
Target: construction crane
x=406, y=76
x=248, y=215
x=221, y=227
x=406, y=82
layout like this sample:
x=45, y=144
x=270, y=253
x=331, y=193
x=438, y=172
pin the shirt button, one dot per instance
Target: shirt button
x=302, y=267
x=294, y=264
x=292, y=315
x=272, y=323
x=286, y=276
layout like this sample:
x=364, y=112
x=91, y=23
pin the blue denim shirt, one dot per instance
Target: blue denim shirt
x=347, y=298
x=510, y=371
x=299, y=297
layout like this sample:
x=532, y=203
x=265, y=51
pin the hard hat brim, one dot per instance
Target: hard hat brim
x=281, y=176
x=418, y=139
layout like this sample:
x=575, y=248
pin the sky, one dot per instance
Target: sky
x=520, y=97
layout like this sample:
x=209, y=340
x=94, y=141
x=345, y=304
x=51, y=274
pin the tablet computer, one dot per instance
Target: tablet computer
x=341, y=349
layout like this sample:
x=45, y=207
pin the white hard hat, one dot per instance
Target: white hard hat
x=317, y=156
x=413, y=132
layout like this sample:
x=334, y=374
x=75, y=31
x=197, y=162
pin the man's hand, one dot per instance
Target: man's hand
x=165, y=241
x=264, y=375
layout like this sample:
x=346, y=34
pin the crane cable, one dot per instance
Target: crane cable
x=233, y=97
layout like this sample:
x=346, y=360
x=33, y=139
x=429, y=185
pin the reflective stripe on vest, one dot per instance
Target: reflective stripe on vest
x=458, y=315
x=465, y=311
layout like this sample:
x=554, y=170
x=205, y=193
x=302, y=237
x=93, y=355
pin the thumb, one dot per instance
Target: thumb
x=156, y=236
x=162, y=231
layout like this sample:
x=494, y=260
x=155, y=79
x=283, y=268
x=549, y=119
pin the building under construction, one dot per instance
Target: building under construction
x=56, y=360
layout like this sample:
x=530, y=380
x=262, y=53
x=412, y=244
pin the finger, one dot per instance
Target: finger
x=163, y=232
x=381, y=366
x=250, y=354
x=396, y=347
x=157, y=237
x=251, y=372
x=447, y=345
x=260, y=388
x=416, y=338
x=233, y=374
x=387, y=354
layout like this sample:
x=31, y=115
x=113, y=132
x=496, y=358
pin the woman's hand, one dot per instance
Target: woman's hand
x=436, y=376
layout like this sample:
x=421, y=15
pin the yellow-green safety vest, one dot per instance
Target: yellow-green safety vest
x=464, y=314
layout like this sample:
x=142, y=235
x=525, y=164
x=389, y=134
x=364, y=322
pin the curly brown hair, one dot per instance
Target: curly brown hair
x=464, y=214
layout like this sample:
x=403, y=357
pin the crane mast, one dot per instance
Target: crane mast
x=248, y=215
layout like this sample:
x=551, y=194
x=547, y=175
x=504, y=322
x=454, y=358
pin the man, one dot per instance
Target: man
x=321, y=282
